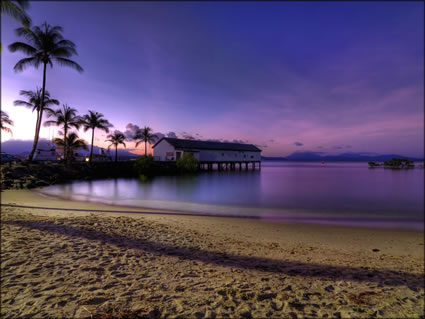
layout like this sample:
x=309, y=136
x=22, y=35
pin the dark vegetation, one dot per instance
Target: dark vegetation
x=394, y=163
x=18, y=175
x=146, y=166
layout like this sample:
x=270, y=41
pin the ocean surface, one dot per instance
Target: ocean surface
x=336, y=193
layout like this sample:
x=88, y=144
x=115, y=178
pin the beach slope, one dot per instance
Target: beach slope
x=61, y=263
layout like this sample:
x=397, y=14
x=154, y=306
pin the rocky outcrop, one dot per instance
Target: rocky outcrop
x=19, y=175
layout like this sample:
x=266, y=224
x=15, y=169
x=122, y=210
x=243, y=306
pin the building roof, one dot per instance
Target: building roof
x=208, y=145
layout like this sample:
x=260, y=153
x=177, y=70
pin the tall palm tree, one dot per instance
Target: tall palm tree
x=145, y=135
x=16, y=10
x=116, y=139
x=34, y=102
x=44, y=45
x=92, y=121
x=5, y=120
x=72, y=142
x=67, y=118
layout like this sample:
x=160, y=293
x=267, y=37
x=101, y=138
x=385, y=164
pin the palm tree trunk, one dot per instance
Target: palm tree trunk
x=116, y=152
x=37, y=124
x=37, y=128
x=65, y=144
x=146, y=147
x=91, y=150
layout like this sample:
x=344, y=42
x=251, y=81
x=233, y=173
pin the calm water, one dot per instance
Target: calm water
x=334, y=193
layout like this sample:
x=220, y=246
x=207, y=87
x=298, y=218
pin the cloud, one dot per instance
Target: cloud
x=159, y=135
x=239, y=141
x=189, y=136
x=131, y=131
x=298, y=144
x=348, y=146
x=337, y=147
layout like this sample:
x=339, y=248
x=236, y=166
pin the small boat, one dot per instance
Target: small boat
x=323, y=162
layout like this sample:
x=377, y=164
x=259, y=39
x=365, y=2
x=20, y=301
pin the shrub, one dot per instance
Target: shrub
x=187, y=163
x=144, y=165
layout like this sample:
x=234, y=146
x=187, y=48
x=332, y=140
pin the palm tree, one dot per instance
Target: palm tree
x=145, y=135
x=116, y=139
x=5, y=120
x=71, y=143
x=92, y=121
x=34, y=102
x=66, y=117
x=16, y=10
x=44, y=45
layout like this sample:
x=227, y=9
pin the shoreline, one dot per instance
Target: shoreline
x=60, y=263
x=329, y=234
x=289, y=216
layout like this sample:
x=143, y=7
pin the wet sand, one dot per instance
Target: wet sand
x=60, y=263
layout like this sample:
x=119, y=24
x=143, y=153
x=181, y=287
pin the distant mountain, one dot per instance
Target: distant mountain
x=266, y=158
x=351, y=156
x=23, y=147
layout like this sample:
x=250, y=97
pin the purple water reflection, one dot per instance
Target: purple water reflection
x=334, y=193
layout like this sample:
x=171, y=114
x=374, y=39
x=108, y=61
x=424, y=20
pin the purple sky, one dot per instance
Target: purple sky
x=287, y=76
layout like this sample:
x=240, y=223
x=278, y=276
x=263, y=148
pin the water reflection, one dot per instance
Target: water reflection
x=280, y=188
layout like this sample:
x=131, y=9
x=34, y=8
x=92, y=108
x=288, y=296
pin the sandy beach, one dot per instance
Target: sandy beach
x=63, y=263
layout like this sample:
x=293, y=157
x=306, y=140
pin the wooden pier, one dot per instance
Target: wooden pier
x=230, y=166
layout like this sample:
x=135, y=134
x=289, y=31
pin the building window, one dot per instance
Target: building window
x=222, y=154
x=252, y=156
x=244, y=156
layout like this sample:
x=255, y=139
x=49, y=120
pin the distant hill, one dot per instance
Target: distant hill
x=265, y=158
x=351, y=156
x=23, y=147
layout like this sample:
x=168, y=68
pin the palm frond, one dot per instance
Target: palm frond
x=5, y=120
x=70, y=63
x=22, y=103
x=25, y=62
x=44, y=45
x=50, y=102
x=66, y=43
x=16, y=11
x=63, y=52
x=49, y=123
x=22, y=47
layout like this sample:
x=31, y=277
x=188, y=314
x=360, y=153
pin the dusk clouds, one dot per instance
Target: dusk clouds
x=278, y=74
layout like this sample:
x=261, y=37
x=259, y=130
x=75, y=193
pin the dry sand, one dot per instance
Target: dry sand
x=58, y=263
